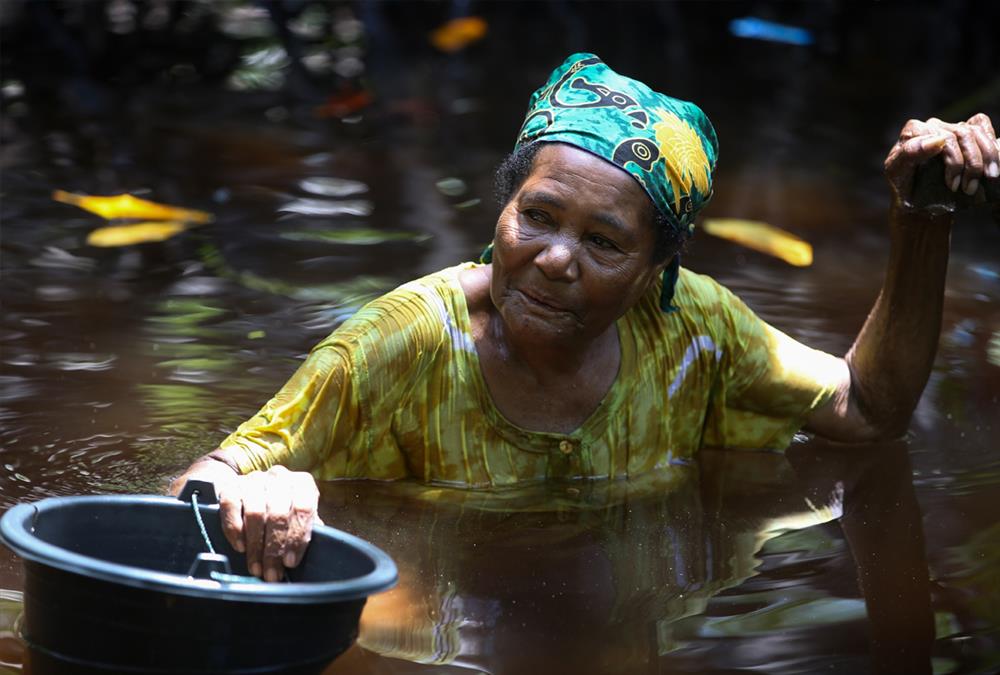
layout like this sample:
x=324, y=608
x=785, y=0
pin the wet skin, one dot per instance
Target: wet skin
x=887, y=367
x=572, y=253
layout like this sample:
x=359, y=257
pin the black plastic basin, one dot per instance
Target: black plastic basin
x=107, y=589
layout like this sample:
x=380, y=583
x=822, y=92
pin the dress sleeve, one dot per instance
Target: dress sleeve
x=317, y=410
x=767, y=384
x=334, y=416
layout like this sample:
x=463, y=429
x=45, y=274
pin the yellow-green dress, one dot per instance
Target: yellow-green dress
x=397, y=392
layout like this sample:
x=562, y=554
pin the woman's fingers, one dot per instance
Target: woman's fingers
x=986, y=137
x=279, y=506
x=954, y=161
x=972, y=171
x=270, y=517
x=923, y=148
x=254, y=492
x=231, y=515
x=917, y=144
x=983, y=121
x=305, y=501
x=970, y=152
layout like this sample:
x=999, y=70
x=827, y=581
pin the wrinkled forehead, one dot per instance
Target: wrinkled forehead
x=572, y=178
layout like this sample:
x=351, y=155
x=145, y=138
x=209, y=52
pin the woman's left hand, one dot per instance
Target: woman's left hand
x=970, y=151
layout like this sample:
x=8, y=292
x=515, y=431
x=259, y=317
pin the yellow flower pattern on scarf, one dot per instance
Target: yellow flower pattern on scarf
x=687, y=165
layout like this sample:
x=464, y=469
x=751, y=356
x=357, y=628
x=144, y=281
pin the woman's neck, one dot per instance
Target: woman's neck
x=551, y=361
x=546, y=388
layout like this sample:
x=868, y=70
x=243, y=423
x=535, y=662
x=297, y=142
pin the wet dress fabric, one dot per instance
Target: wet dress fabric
x=397, y=392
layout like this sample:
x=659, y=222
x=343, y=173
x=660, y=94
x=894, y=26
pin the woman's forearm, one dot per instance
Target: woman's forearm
x=892, y=356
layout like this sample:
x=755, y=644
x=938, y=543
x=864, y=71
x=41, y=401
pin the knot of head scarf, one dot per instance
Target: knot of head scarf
x=667, y=145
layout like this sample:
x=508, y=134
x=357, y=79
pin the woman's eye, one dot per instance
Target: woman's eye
x=536, y=216
x=601, y=242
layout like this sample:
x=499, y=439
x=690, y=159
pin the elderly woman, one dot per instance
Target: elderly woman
x=579, y=348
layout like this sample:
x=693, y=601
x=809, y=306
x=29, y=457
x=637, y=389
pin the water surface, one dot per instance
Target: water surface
x=119, y=366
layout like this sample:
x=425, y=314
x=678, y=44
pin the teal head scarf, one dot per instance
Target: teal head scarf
x=666, y=144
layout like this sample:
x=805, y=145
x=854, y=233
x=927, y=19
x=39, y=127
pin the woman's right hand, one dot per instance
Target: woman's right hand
x=269, y=515
x=970, y=150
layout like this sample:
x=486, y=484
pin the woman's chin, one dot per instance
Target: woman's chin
x=530, y=325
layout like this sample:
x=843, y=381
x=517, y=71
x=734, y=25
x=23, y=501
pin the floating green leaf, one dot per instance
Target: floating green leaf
x=451, y=187
x=357, y=237
x=348, y=294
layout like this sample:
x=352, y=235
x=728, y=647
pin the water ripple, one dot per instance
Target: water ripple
x=325, y=207
x=88, y=362
x=332, y=187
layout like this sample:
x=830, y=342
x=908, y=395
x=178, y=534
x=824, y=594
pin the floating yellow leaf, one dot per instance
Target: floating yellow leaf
x=137, y=233
x=127, y=206
x=360, y=236
x=458, y=33
x=762, y=237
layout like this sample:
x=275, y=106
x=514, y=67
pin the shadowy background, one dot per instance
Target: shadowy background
x=345, y=147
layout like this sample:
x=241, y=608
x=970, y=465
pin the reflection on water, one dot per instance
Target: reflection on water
x=344, y=156
x=647, y=575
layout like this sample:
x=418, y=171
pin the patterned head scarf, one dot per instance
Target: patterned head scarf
x=666, y=144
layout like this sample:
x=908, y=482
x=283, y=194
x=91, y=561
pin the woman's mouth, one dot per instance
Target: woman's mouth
x=544, y=301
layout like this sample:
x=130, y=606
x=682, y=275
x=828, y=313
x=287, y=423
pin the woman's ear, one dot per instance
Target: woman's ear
x=660, y=266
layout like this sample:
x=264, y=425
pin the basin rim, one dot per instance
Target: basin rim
x=15, y=532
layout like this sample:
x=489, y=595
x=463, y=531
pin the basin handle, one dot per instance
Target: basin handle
x=204, y=488
x=206, y=565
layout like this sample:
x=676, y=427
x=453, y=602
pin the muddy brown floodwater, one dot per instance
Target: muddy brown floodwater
x=120, y=365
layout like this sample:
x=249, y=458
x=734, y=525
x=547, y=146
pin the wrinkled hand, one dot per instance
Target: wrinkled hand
x=269, y=516
x=970, y=151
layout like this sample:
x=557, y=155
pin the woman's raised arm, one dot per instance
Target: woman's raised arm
x=886, y=369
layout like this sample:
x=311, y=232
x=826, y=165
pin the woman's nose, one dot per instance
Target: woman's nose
x=557, y=261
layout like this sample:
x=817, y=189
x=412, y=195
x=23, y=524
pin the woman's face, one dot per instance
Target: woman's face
x=573, y=248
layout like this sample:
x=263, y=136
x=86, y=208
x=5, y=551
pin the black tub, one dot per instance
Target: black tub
x=107, y=590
